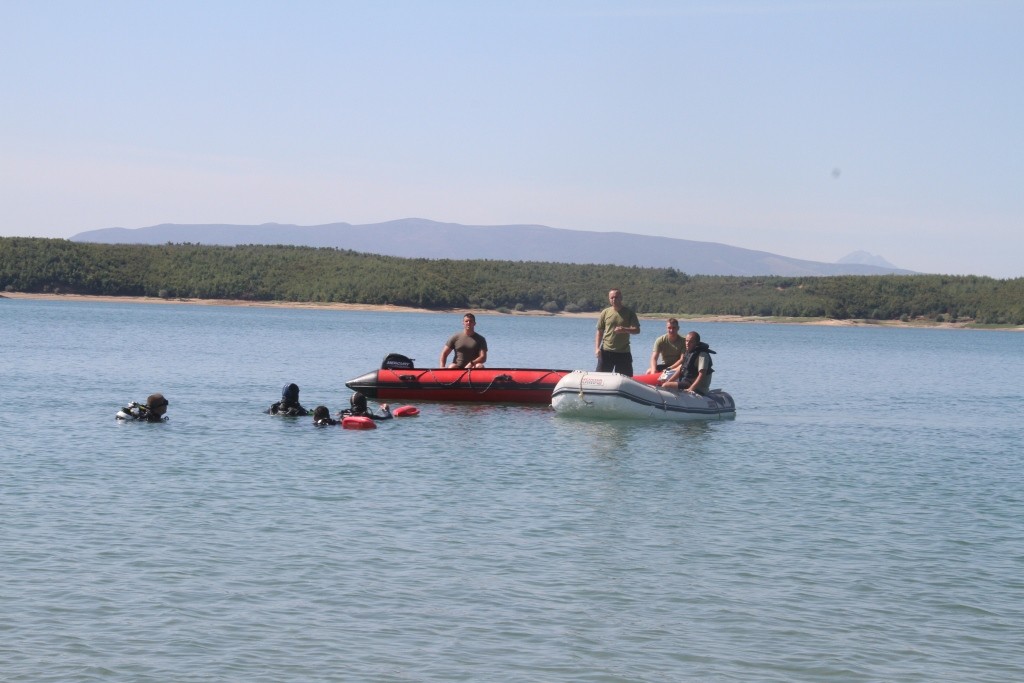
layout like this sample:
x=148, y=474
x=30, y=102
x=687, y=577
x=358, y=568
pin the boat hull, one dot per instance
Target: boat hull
x=489, y=385
x=609, y=395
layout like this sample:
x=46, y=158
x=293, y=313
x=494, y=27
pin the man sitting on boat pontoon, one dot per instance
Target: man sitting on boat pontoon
x=693, y=371
x=470, y=348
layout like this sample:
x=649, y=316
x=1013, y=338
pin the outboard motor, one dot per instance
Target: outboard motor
x=396, y=361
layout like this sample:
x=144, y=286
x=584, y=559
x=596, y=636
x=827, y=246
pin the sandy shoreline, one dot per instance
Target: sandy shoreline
x=407, y=309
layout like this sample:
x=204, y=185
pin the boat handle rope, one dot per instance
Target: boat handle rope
x=499, y=378
x=424, y=371
x=448, y=384
x=582, y=396
x=468, y=374
x=509, y=378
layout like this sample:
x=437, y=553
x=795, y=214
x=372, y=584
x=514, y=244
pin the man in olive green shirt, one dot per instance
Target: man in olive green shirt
x=670, y=346
x=611, y=344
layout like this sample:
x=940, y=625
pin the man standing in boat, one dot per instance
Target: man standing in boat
x=611, y=344
x=470, y=348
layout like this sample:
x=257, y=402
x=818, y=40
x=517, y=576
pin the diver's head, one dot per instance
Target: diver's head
x=290, y=394
x=321, y=413
x=157, y=404
x=358, y=402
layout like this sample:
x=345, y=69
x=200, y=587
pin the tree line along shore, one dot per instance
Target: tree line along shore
x=264, y=273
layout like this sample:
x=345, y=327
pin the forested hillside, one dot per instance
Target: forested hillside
x=283, y=273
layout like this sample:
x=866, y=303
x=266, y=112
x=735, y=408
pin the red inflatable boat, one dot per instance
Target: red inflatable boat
x=398, y=379
x=499, y=385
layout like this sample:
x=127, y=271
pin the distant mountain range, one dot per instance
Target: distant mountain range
x=420, y=238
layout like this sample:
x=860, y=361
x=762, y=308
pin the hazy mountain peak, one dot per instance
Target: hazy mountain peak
x=866, y=258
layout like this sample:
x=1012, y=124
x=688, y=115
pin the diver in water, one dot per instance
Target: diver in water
x=289, y=405
x=153, y=410
x=357, y=403
x=322, y=417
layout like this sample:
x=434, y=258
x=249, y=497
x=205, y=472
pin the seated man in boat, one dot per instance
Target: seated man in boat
x=470, y=348
x=693, y=371
x=357, y=408
x=152, y=411
x=669, y=346
x=289, y=405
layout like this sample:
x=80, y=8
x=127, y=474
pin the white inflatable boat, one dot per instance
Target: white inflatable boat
x=611, y=395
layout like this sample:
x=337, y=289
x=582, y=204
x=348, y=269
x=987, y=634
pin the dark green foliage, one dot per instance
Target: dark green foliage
x=283, y=273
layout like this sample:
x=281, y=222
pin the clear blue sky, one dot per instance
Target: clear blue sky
x=805, y=128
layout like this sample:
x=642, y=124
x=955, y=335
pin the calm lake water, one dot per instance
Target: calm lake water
x=860, y=519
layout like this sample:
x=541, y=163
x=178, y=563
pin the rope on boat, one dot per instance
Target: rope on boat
x=415, y=378
x=509, y=379
x=547, y=373
x=498, y=378
x=468, y=375
x=582, y=395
